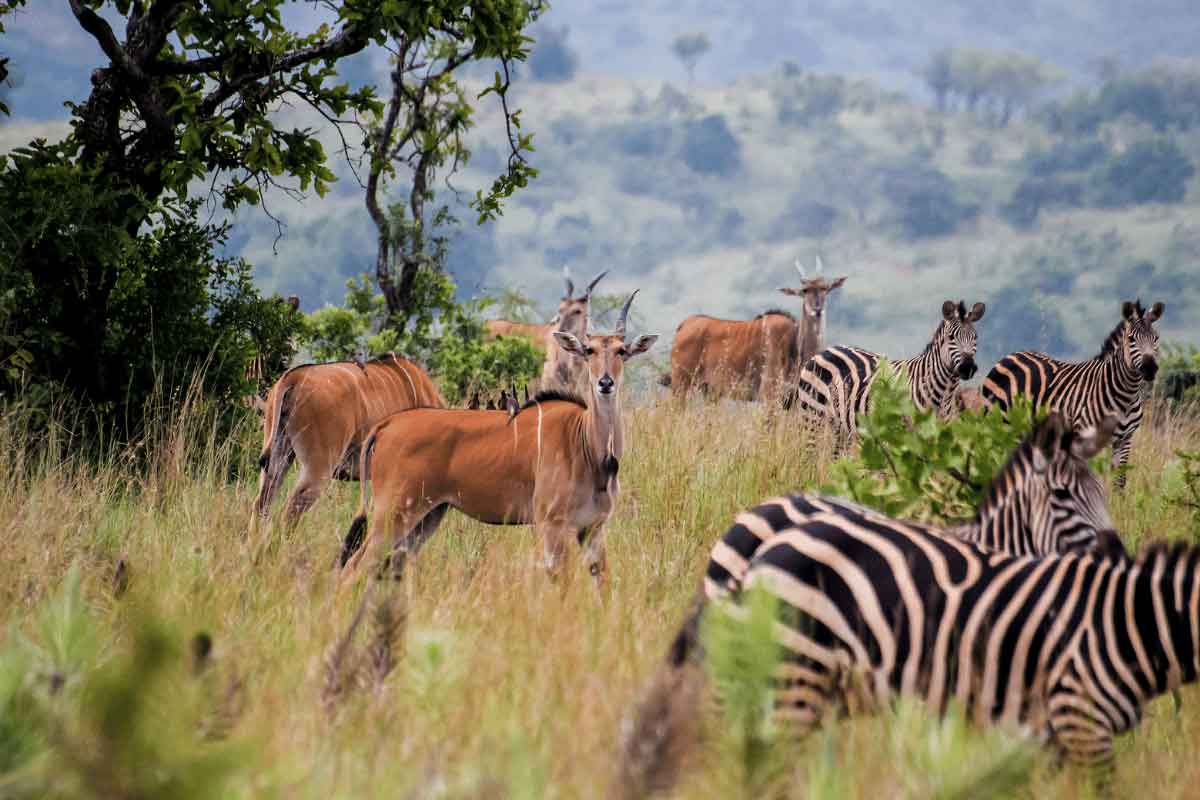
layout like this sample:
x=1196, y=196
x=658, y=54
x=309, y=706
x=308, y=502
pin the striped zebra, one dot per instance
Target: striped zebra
x=1068, y=648
x=1111, y=383
x=836, y=383
x=1045, y=500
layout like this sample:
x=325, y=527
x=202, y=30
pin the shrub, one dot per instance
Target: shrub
x=925, y=200
x=1034, y=194
x=1069, y=155
x=710, y=148
x=1155, y=171
x=912, y=466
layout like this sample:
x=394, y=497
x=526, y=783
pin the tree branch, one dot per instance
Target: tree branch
x=103, y=34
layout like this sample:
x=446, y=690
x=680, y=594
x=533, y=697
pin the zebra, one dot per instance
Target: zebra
x=1111, y=383
x=836, y=382
x=1044, y=501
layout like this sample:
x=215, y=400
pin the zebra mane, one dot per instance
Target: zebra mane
x=1169, y=554
x=1113, y=342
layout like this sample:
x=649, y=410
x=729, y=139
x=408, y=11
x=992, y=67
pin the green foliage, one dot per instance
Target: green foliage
x=1179, y=373
x=1155, y=171
x=711, y=148
x=114, y=316
x=442, y=333
x=950, y=759
x=912, y=466
x=741, y=655
x=926, y=201
x=1187, y=496
x=997, y=83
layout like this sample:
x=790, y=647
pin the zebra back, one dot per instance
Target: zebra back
x=1069, y=646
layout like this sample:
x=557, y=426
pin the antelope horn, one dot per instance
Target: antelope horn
x=620, y=331
x=820, y=266
x=592, y=285
x=570, y=283
x=800, y=269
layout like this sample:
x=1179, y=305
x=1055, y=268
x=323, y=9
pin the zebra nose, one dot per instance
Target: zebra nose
x=605, y=384
x=967, y=369
x=1149, y=368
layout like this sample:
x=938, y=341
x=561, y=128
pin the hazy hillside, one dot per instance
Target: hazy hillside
x=704, y=198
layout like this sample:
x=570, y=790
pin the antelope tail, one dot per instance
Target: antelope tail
x=275, y=414
x=664, y=725
x=358, y=527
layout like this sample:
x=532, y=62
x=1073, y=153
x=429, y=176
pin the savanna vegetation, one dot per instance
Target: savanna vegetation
x=153, y=649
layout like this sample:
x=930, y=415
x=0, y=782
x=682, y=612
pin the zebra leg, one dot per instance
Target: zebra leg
x=804, y=690
x=1079, y=728
x=1122, y=445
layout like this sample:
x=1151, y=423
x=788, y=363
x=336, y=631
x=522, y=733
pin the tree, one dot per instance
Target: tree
x=1155, y=171
x=423, y=129
x=186, y=96
x=688, y=48
x=939, y=75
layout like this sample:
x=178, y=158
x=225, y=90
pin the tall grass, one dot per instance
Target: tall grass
x=148, y=648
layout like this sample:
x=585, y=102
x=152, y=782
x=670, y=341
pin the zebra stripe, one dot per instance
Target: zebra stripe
x=836, y=383
x=1065, y=647
x=1110, y=384
x=1045, y=500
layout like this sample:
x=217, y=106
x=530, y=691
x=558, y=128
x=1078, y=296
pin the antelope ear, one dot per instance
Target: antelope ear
x=793, y=292
x=1047, y=440
x=640, y=345
x=976, y=313
x=568, y=342
x=1128, y=311
x=1155, y=312
x=950, y=310
x=1093, y=439
x=837, y=282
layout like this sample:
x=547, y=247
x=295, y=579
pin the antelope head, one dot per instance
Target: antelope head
x=814, y=290
x=959, y=340
x=606, y=354
x=572, y=315
x=1140, y=346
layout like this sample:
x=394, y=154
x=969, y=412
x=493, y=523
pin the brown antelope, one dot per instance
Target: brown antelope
x=553, y=465
x=559, y=372
x=319, y=414
x=752, y=359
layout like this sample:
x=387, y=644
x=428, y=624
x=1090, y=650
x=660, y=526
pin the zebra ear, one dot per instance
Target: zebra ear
x=1155, y=312
x=976, y=312
x=949, y=310
x=1093, y=439
x=1128, y=311
x=1047, y=440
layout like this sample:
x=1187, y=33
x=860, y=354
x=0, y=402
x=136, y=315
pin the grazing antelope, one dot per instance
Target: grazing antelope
x=552, y=465
x=836, y=383
x=319, y=414
x=754, y=359
x=1111, y=383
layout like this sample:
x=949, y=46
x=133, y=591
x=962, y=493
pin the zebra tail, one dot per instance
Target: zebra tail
x=358, y=526
x=664, y=726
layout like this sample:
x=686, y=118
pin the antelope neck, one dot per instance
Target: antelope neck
x=601, y=429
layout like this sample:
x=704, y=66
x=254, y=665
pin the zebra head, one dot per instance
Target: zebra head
x=1068, y=503
x=815, y=290
x=1139, y=348
x=957, y=337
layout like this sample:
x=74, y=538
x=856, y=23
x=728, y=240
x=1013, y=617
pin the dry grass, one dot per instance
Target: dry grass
x=477, y=677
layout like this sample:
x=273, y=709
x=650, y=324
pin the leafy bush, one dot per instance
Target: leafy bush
x=113, y=316
x=1155, y=171
x=444, y=334
x=1034, y=194
x=1067, y=155
x=913, y=466
x=925, y=200
x=710, y=148
x=1179, y=373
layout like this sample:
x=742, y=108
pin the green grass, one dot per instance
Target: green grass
x=476, y=678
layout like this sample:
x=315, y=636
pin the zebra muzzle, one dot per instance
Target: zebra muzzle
x=967, y=369
x=1149, y=368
